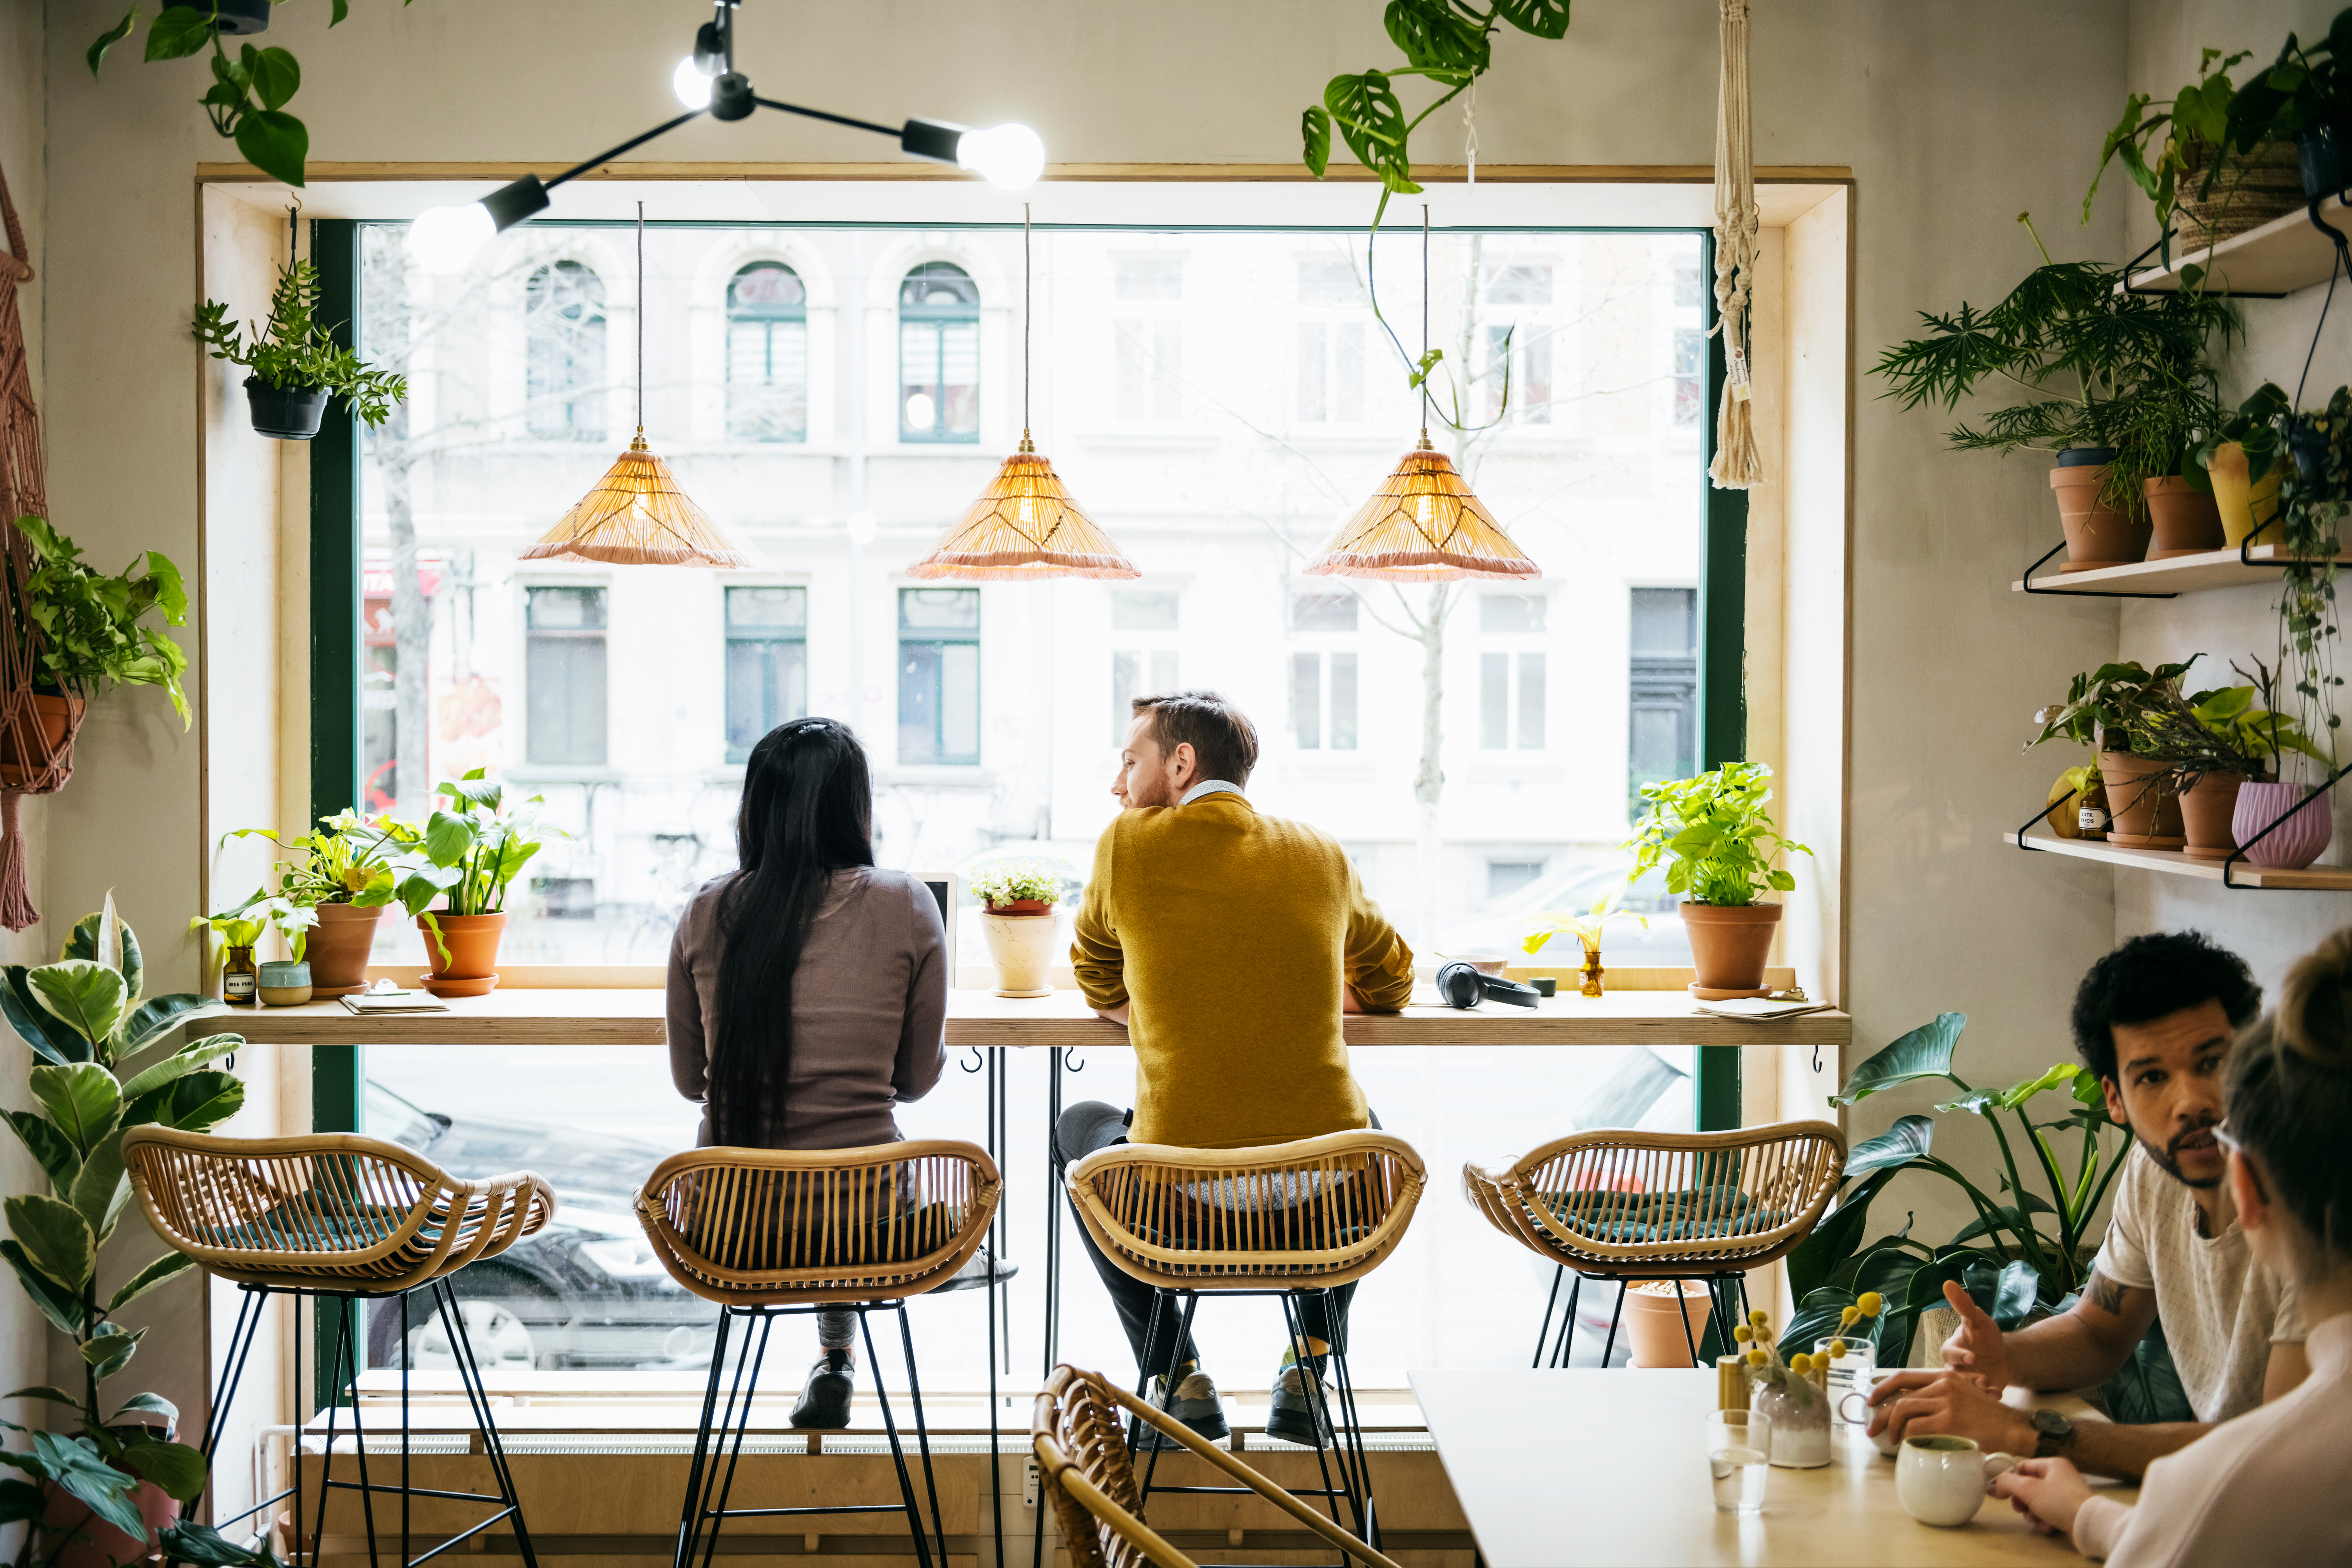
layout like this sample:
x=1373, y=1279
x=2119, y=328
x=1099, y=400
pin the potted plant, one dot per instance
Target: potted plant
x=2118, y=390
x=2305, y=99
x=1587, y=928
x=344, y=877
x=1718, y=842
x=241, y=931
x=295, y=364
x=2241, y=178
x=466, y=855
x=85, y=635
x=2243, y=462
x=2102, y=709
x=2216, y=743
x=1020, y=921
x=107, y=1489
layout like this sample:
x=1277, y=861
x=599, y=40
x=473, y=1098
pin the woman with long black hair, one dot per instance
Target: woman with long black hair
x=808, y=989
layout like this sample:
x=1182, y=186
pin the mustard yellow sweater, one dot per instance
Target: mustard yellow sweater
x=1230, y=934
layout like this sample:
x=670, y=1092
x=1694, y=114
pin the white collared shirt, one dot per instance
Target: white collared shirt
x=1208, y=787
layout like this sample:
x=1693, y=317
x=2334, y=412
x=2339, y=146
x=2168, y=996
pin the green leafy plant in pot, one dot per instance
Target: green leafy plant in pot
x=2026, y=1252
x=2103, y=710
x=107, y=1489
x=344, y=873
x=2116, y=388
x=2305, y=99
x=2210, y=172
x=2217, y=743
x=89, y=632
x=1018, y=918
x=1718, y=842
x=295, y=363
x=468, y=855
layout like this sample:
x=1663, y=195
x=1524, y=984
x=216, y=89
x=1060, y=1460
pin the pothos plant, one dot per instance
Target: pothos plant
x=93, y=628
x=293, y=351
x=1715, y=837
x=87, y=1026
x=468, y=853
x=2195, y=127
x=346, y=858
x=2026, y=1248
x=243, y=926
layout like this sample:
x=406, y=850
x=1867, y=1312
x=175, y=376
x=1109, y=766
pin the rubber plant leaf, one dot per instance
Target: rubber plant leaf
x=182, y=1062
x=101, y=937
x=109, y=1349
x=177, y=1468
x=73, y=1463
x=157, y=1017
x=60, y=1306
x=196, y=1103
x=54, y=1237
x=83, y=1100
x=168, y=1267
x=48, y=1038
x=1544, y=18
x=1925, y=1052
x=58, y=1159
x=149, y=1404
x=84, y=995
x=100, y=1189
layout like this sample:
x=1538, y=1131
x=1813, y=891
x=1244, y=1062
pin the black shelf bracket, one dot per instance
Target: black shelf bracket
x=2080, y=593
x=2028, y=845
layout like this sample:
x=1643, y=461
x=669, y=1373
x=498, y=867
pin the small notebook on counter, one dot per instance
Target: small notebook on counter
x=1761, y=1009
x=394, y=1001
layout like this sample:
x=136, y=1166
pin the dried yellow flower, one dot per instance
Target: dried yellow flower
x=1871, y=1303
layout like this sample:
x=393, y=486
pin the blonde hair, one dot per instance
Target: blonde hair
x=2289, y=1095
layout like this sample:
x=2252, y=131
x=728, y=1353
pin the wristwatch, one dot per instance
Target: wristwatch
x=2052, y=1433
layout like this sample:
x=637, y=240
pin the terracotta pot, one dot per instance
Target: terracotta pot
x=2184, y=519
x=54, y=717
x=2144, y=803
x=470, y=966
x=2096, y=534
x=1654, y=1327
x=2246, y=508
x=102, y=1546
x=2309, y=828
x=338, y=947
x=1023, y=947
x=1021, y=907
x=1729, y=943
x=2207, y=807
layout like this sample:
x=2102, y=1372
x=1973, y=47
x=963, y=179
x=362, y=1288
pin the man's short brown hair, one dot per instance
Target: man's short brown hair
x=1224, y=741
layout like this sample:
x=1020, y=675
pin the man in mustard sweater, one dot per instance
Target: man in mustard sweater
x=1196, y=903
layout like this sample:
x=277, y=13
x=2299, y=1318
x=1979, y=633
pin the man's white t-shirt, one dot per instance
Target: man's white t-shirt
x=2221, y=1310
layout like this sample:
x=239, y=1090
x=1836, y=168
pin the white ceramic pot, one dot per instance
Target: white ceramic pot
x=1023, y=948
x=1801, y=1426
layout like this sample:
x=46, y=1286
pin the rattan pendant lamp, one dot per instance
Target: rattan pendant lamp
x=636, y=515
x=1424, y=525
x=1025, y=526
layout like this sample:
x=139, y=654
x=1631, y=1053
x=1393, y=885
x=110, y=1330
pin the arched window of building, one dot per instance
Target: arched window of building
x=767, y=355
x=564, y=337
x=938, y=354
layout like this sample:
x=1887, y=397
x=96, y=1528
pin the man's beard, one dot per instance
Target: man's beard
x=2167, y=1157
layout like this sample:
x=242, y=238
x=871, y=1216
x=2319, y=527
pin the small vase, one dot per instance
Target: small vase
x=1801, y=1424
x=1592, y=972
x=2309, y=827
x=284, y=985
x=239, y=976
x=1022, y=942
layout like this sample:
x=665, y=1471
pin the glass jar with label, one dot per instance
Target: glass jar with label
x=240, y=976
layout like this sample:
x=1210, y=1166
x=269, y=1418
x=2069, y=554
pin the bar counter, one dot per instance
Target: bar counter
x=634, y=1017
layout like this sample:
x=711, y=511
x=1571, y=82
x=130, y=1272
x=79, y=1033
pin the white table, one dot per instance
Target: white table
x=1561, y=1467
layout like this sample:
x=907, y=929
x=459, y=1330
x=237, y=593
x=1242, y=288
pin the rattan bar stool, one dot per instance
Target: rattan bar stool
x=1634, y=1206
x=777, y=1233
x=1288, y=1220
x=1084, y=1461
x=341, y=1218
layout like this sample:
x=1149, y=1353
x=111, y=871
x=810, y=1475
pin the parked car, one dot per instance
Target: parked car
x=1498, y=924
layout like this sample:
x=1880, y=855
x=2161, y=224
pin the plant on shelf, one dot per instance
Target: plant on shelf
x=468, y=854
x=1587, y=928
x=86, y=1025
x=242, y=928
x=1016, y=886
x=2024, y=1251
x=2305, y=98
x=293, y=355
x=1717, y=843
x=2101, y=371
x=90, y=625
x=343, y=871
x=2199, y=137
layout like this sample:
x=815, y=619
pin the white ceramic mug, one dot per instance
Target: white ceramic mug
x=1943, y=1480
x=1854, y=1409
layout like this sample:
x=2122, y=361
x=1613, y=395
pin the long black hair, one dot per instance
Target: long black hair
x=808, y=810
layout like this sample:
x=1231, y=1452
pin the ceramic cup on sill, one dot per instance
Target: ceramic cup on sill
x=284, y=983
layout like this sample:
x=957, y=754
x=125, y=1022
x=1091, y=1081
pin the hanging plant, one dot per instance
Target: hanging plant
x=297, y=366
x=90, y=635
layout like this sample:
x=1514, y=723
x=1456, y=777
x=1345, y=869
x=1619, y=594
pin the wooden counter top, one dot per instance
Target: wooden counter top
x=634, y=1017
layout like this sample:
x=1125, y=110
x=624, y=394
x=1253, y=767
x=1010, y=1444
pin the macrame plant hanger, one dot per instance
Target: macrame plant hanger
x=1736, y=465
x=32, y=762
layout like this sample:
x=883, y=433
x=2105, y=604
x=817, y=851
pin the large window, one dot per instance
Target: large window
x=1143, y=652
x=767, y=355
x=563, y=347
x=1661, y=701
x=1330, y=341
x=1511, y=672
x=939, y=674
x=1323, y=671
x=938, y=354
x=1519, y=333
x=1147, y=338
x=565, y=671
x=767, y=663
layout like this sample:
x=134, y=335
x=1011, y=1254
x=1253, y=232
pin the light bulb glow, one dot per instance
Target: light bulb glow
x=1008, y=156
x=1028, y=510
x=691, y=85
x=1428, y=510
x=447, y=239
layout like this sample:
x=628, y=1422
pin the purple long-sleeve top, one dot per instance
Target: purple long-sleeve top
x=869, y=1008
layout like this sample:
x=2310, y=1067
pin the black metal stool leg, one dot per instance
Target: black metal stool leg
x=249, y=1314
x=1610, y=1348
x=1319, y=1414
x=897, y=1450
x=1168, y=1386
x=1568, y=1325
x=923, y=1433
x=689, y=1519
x=1683, y=1312
x=733, y=1428
x=347, y=1355
x=1543, y=1335
x=494, y=1448
x=1368, y=1524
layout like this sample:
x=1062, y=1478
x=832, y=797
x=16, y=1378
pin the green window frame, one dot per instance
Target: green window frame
x=767, y=663
x=938, y=354
x=767, y=354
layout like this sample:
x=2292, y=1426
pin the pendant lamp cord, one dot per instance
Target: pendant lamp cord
x=1025, y=271
x=1424, y=323
x=641, y=317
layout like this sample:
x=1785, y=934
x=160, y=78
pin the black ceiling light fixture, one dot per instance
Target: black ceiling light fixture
x=447, y=239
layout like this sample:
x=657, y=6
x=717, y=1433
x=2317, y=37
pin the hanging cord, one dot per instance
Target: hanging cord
x=641, y=322
x=1424, y=324
x=1470, y=130
x=1738, y=465
x=1026, y=271
x=2334, y=271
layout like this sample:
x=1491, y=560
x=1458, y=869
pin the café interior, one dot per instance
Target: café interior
x=1548, y=514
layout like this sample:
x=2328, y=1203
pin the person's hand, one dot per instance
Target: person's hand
x=1978, y=1350
x=2050, y=1492
x=1943, y=1403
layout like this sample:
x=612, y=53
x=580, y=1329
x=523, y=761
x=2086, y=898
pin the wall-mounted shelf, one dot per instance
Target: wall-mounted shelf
x=2181, y=574
x=2333, y=879
x=2283, y=256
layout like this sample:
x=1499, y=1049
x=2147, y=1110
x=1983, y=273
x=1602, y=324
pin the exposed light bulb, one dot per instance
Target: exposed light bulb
x=1008, y=156
x=447, y=239
x=691, y=83
x=1428, y=510
x=861, y=528
x=1028, y=510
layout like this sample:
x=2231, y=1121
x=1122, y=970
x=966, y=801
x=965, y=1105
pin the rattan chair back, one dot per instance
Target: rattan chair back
x=1314, y=1214
x=1629, y=1202
x=780, y=1227
x=332, y=1211
x=1078, y=1436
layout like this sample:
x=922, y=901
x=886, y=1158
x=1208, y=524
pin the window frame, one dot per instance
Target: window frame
x=599, y=386
x=938, y=638
x=531, y=767
x=729, y=637
x=941, y=318
x=772, y=316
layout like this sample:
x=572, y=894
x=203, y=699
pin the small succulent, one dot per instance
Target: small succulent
x=1005, y=882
